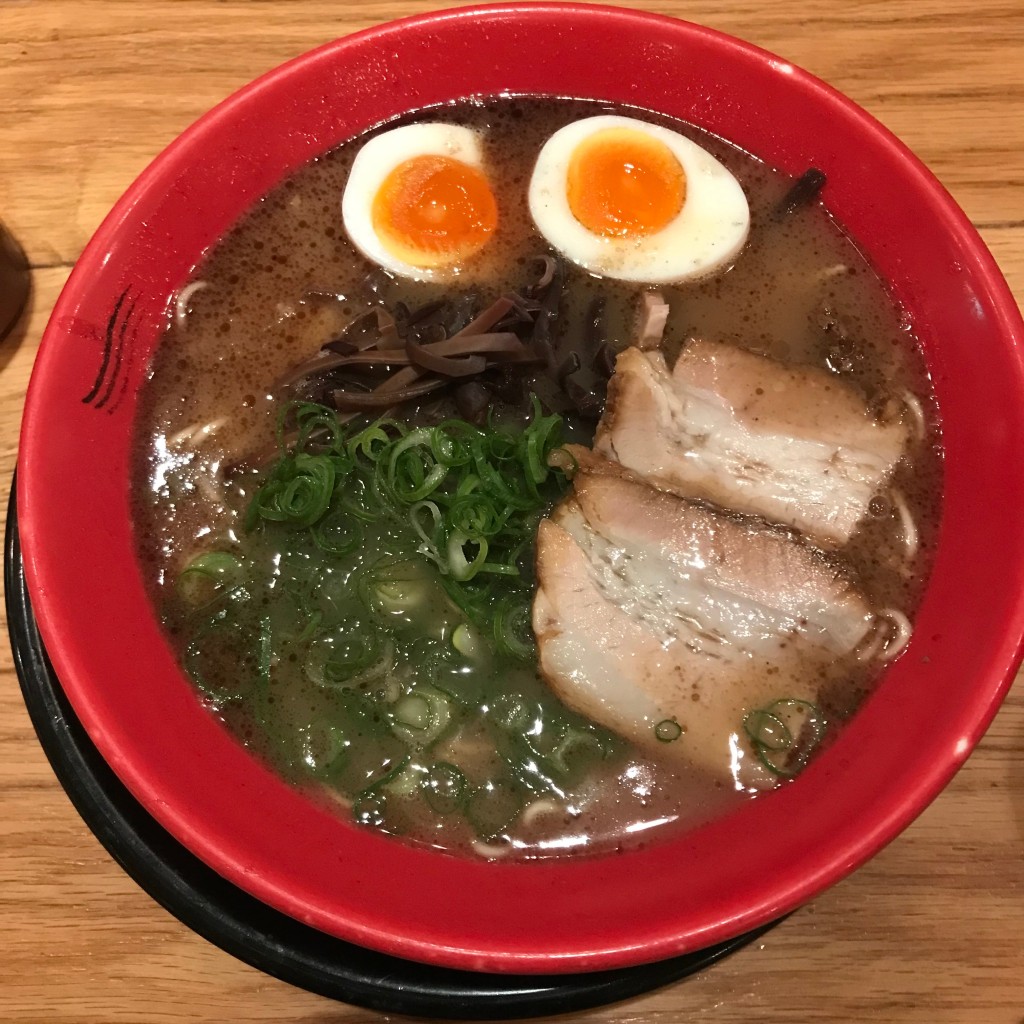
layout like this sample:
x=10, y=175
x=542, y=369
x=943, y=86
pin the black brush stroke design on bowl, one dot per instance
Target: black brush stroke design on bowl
x=118, y=345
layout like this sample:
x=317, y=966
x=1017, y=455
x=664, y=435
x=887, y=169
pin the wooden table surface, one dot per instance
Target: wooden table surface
x=932, y=930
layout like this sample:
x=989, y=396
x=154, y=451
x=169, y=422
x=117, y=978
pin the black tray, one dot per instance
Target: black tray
x=252, y=931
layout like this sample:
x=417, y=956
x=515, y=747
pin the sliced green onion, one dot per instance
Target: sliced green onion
x=323, y=746
x=413, y=712
x=576, y=751
x=407, y=782
x=407, y=595
x=334, y=597
x=371, y=443
x=535, y=459
x=444, y=787
x=460, y=567
x=298, y=492
x=476, y=513
x=312, y=421
x=450, y=442
x=768, y=731
x=220, y=564
x=351, y=656
x=513, y=632
x=467, y=485
x=468, y=642
x=357, y=498
x=463, y=684
x=427, y=527
x=411, y=475
x=668, y=730
x=784, y=734
x=422, y=715
x=339, y=533
x=498, y=569
x=207, y=575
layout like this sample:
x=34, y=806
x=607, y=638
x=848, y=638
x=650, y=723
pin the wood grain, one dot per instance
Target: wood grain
x=932, y=930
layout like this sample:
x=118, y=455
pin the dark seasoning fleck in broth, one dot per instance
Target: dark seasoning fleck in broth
x=799, y=291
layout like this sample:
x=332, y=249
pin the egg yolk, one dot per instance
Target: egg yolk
x=433, y=211
x=623, y=183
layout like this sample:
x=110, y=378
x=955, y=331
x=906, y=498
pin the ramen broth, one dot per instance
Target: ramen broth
x=471, y=750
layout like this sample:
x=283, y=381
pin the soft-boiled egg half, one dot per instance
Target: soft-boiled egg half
x=418, y=201
x=636, y=201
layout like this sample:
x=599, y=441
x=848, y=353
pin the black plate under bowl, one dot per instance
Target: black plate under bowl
x=252, y=931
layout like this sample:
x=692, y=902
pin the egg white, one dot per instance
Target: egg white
x=706, y=234
x=375, y=161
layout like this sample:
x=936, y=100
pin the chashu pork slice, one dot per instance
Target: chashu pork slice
x=651, y=607
x=792, y=444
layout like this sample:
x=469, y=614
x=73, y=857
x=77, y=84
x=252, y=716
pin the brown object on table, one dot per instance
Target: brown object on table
x=929, y=932
x=14, y=282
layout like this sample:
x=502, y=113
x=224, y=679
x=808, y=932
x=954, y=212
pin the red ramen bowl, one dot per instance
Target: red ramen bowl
x=712, y=883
